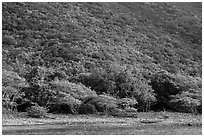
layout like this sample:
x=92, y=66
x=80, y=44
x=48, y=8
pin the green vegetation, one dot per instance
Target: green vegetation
x=177, y=92
x=148, y=55
x=36, y=112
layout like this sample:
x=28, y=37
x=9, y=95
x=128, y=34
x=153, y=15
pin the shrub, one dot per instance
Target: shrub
x=40, y=94
x=25, y=105
x=39, y=89
x=7, y=94
x=11, y=78
x=145, y=96
x=36, y=112
x=126, y=103
x=106, y=104
x=9, y=105
x=120, y=82
x=101, y=103
x=188, y=82
x=68, y=95
x=11, y=85
x=77, y=91
x=177, y=92
x=164, y=85
x=98, y=80
x=187, y=101
x=45, y=88
x=108, y=97
x=61, y=107
x=185, y=104
x=131, y=84
x=87, y=109
x=73, y=102
x=64, y=103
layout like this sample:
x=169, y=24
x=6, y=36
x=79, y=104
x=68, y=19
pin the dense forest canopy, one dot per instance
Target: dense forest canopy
x=64, y=52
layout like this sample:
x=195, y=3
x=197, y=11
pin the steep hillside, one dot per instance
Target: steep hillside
x=98, y=44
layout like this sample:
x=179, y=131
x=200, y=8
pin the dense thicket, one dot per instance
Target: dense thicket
x=62, y=53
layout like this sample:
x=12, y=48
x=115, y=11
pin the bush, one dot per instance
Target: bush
x=177, y=92
x=45, y=88
x=64, y=103
x=11, y=85
x=8, y=94
x=11, y=78
x=185, y=104
x=78, y=91
x=25, y=105
x=98, y=80
x=36, y=112
x=40, y=94
x=87, y=109
x=108, y=97
x=126, y=103
x=68, y=95
x=62, y=107
x=106, y=104
x=131, y=84
x=39, y=89
x=101, y=103
x=73, y=102
x=145, y=97
x=9, y=105
x=188, y=82
x=164, y=85
x=188, y=101
x=120, y=82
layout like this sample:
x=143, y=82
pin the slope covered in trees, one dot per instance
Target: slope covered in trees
x=64, y=52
